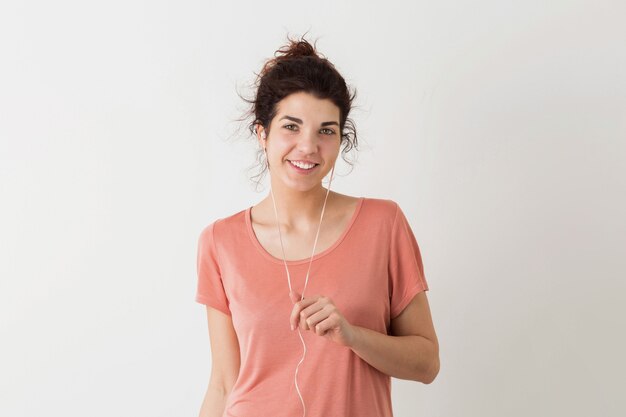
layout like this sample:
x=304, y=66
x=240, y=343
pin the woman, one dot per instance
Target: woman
x=343, y=271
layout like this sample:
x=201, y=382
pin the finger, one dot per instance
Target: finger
x=333, y=321
x=306, y=315
x=313, y=315
x=295, y=298
x=297, y=308
x=322, y=327
x=312, y=309
x=294, y=319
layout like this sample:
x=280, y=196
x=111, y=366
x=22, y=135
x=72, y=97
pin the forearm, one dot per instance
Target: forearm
x=214, y=402
x=404, y=357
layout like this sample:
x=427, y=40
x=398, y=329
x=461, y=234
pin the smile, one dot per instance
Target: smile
x=302, y=166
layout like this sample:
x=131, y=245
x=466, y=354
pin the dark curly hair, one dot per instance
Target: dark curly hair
x=298, y=67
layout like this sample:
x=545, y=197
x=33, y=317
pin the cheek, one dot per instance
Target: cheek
x=331, y=150
x=279, y=147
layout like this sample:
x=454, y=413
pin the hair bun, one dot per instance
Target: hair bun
x=296, y=48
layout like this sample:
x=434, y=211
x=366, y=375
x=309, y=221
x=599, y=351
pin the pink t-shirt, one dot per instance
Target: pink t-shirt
x=371, y=273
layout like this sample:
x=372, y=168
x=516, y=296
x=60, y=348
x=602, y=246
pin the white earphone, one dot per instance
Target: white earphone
x=263, y=137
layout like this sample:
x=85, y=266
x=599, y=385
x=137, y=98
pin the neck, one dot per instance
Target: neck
x=298, y=209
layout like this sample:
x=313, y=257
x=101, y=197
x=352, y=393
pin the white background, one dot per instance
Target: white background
x=499, y=127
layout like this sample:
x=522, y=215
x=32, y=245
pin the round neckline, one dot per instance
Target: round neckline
x=272, y=258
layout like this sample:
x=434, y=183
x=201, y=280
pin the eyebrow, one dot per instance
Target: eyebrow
x=299, y=121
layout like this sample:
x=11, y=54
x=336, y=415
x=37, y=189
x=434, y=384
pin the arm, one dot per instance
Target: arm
x=411, y=351
x=225, y=363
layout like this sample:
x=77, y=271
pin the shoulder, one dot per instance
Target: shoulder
x=381, y=208
x=375, y=206
x=223, y=225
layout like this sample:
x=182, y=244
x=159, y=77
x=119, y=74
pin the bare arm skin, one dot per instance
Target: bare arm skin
x=225, y=363
x=412, y=349
x=409, y=351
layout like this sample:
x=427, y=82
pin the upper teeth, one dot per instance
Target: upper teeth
x=303, y=165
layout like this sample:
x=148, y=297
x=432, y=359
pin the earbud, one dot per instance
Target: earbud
x=263, y=136
x=265, y=150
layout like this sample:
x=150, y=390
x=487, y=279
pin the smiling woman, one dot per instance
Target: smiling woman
x=367, y=318
x=302, y=149
x=299, y=68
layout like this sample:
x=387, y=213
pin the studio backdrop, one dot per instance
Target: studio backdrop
x=498, y=126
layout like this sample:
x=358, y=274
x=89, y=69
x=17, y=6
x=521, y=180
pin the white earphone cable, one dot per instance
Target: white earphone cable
x=309, y=269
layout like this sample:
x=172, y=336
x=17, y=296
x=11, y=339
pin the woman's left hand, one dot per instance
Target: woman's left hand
x=319, y=313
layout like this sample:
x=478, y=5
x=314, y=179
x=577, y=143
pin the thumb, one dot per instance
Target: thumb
x=295, y=296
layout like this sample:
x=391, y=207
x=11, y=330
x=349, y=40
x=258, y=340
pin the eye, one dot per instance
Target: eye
x=291, y=127
x=328, y=131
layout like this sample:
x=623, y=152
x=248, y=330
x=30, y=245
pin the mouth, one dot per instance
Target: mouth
x=302, y=167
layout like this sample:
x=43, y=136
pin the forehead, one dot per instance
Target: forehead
x=307, y=107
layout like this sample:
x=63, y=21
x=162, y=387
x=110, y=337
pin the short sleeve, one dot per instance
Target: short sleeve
x=210, y=289
x=406, y=271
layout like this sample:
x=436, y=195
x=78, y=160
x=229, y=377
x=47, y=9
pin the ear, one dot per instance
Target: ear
x=261, y=135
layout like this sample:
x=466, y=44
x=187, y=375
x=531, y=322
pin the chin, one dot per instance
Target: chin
x=303, y=188
x=300, y=185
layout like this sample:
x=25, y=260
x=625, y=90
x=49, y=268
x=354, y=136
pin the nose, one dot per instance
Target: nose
x=308, y=142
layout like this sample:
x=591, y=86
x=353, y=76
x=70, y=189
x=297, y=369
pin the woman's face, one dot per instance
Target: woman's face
x=305, y=130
